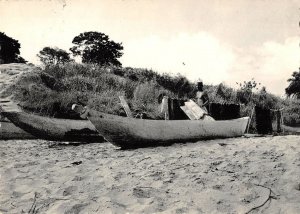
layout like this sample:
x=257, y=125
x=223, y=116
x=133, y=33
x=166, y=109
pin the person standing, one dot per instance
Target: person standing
x=202, y=98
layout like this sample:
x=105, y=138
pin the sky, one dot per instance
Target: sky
x=217, y=41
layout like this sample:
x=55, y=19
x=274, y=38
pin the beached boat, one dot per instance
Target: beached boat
x=8, y=131
x=55, y=129
x=131, y=132
x=291, y=130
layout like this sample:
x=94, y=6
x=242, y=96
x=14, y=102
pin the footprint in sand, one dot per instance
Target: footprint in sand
x=69, y=190
x=142, y=193
x=76, y=209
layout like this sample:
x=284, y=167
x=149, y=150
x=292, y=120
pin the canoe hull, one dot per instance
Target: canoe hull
x=131, y=132
x=8, y=131
x=55, y=129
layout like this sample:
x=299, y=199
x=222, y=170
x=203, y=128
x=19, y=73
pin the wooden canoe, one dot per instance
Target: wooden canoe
x=8, y=131
x=291, y=130
x=55, y=129
x=130, y=132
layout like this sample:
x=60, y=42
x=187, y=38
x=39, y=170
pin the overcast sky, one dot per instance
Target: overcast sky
x=215, y=40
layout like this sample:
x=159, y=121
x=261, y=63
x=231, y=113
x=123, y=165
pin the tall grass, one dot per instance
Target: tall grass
x=51, y=91
x=291, y=111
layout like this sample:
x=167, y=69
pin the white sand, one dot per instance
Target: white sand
x=202, y=177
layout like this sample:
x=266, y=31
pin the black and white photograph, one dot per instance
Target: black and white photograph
x=149, y=106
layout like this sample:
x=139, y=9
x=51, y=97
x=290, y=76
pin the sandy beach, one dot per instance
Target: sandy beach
x=219, y=176
x=139, y=73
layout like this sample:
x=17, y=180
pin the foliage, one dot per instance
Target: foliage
x=95, y=47
x=53, y=56
x=9, y=50
x=264, y=99
x=248, y=85
x=245, y=92
x=97, y=86
x=178, y=85
x=294, y=87
x=145, y=99
x=54, y=89
x=222, y=94
x=291, y=112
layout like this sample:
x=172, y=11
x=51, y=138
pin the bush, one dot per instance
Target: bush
x=54, y=89
x=221, y=94
x=266, y=100
x=145, y=99
x=291, y=112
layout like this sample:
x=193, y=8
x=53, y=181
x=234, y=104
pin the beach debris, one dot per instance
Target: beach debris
x=33, y=209
x=297, y=187
x=43, y=203
x=143, y=159
x=77, y=163
x=270, y=196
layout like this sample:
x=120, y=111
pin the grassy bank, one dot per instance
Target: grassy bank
x=51, y=91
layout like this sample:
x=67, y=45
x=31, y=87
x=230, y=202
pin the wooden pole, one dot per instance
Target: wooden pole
x=165, y=107
x=125, y=106
x=279, y=120
x=282, y=121
x=248, y=126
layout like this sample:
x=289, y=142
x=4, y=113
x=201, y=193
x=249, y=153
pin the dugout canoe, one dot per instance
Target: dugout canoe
x=291, y=130
x=131, y=132
x=55, y=129
x=8, y=131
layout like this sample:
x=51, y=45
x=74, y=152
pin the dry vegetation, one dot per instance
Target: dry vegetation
x=51, y=91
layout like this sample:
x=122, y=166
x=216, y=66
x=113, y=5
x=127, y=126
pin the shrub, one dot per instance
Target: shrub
x=146, y=98
x=222, y=94
x=291, y=112
x=54, y=89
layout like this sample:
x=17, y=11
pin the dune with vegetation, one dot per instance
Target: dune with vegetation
x=240, y=175
x=51, y=91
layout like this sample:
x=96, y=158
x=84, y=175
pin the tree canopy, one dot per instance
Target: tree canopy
x=9, y=50
x=95, y=47
x=53, y=56
x=294, y=87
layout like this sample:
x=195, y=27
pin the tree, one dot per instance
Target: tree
x=294, y=87
x=95, y=47
x=9, y=50
x=53, y=56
